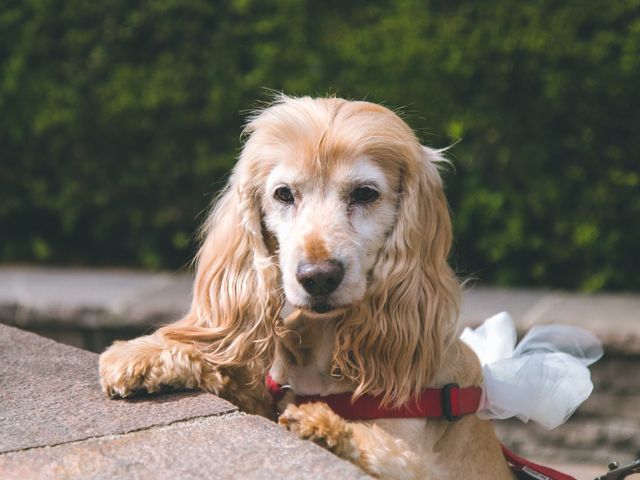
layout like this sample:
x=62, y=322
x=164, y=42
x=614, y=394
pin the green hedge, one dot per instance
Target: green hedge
x=119, y=121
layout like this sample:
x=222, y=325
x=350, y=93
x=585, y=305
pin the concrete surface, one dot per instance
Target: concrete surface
x=235, y=446
x=50, y=395
x=55, y=423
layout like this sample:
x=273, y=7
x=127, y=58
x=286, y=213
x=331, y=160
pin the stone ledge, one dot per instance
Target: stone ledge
x=228, y=447
x=51, y=395
x=56, y=423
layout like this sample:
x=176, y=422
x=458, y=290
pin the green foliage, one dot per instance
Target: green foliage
x=119, y=121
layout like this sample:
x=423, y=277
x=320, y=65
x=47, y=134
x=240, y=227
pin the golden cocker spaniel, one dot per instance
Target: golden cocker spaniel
x=324, y=261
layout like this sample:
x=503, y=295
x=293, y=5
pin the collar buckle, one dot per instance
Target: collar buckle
x=451, y=409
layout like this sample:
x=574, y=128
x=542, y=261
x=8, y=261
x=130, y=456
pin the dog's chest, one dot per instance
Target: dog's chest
x=303, y=357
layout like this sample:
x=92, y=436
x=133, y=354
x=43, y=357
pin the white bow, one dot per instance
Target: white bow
x=544, y=379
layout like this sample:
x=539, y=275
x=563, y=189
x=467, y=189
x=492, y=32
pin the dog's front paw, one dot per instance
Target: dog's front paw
x=149, y=364
x=123, y=368
x=317, y=422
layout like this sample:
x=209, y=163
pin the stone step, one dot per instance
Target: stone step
x=56, y=423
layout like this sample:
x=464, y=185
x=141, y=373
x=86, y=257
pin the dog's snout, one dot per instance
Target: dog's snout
x=320, y=278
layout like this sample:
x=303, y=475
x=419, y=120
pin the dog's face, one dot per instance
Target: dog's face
x=330, y=222
x=336, y=207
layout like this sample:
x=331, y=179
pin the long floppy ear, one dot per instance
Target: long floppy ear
x=394, y=343
x=235, y=295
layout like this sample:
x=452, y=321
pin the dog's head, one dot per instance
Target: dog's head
x=335, y=207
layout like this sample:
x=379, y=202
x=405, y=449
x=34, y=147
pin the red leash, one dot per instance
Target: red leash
x=449, y=402
x=525, y=469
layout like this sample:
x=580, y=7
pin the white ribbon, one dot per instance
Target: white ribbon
x=544, y=379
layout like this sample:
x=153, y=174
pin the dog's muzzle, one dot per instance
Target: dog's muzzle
x=320, y=279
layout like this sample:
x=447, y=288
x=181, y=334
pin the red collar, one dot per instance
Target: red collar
x=449, y=402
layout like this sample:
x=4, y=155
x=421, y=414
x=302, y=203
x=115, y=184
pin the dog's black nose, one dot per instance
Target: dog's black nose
x=320, y=278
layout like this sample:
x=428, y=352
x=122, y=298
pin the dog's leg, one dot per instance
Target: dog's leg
x=156, y=362
x=368, y=446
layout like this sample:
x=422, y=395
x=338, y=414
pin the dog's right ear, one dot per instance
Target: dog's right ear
x=235, y=295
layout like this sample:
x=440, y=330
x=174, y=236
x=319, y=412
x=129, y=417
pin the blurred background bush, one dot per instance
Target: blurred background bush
x=120, y=120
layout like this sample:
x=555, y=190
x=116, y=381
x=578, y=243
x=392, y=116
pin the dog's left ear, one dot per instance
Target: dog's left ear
x=423, y=300
x=412, y=305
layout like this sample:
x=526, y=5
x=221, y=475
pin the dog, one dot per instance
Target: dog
x=324, y=262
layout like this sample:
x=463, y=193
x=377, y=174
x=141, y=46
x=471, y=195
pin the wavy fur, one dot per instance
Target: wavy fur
x=392, y=342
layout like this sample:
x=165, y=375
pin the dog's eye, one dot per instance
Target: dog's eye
x=363, y=195
x=284, y=195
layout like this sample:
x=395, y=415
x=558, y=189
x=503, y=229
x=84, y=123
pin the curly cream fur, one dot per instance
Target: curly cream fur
x=413, y=296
